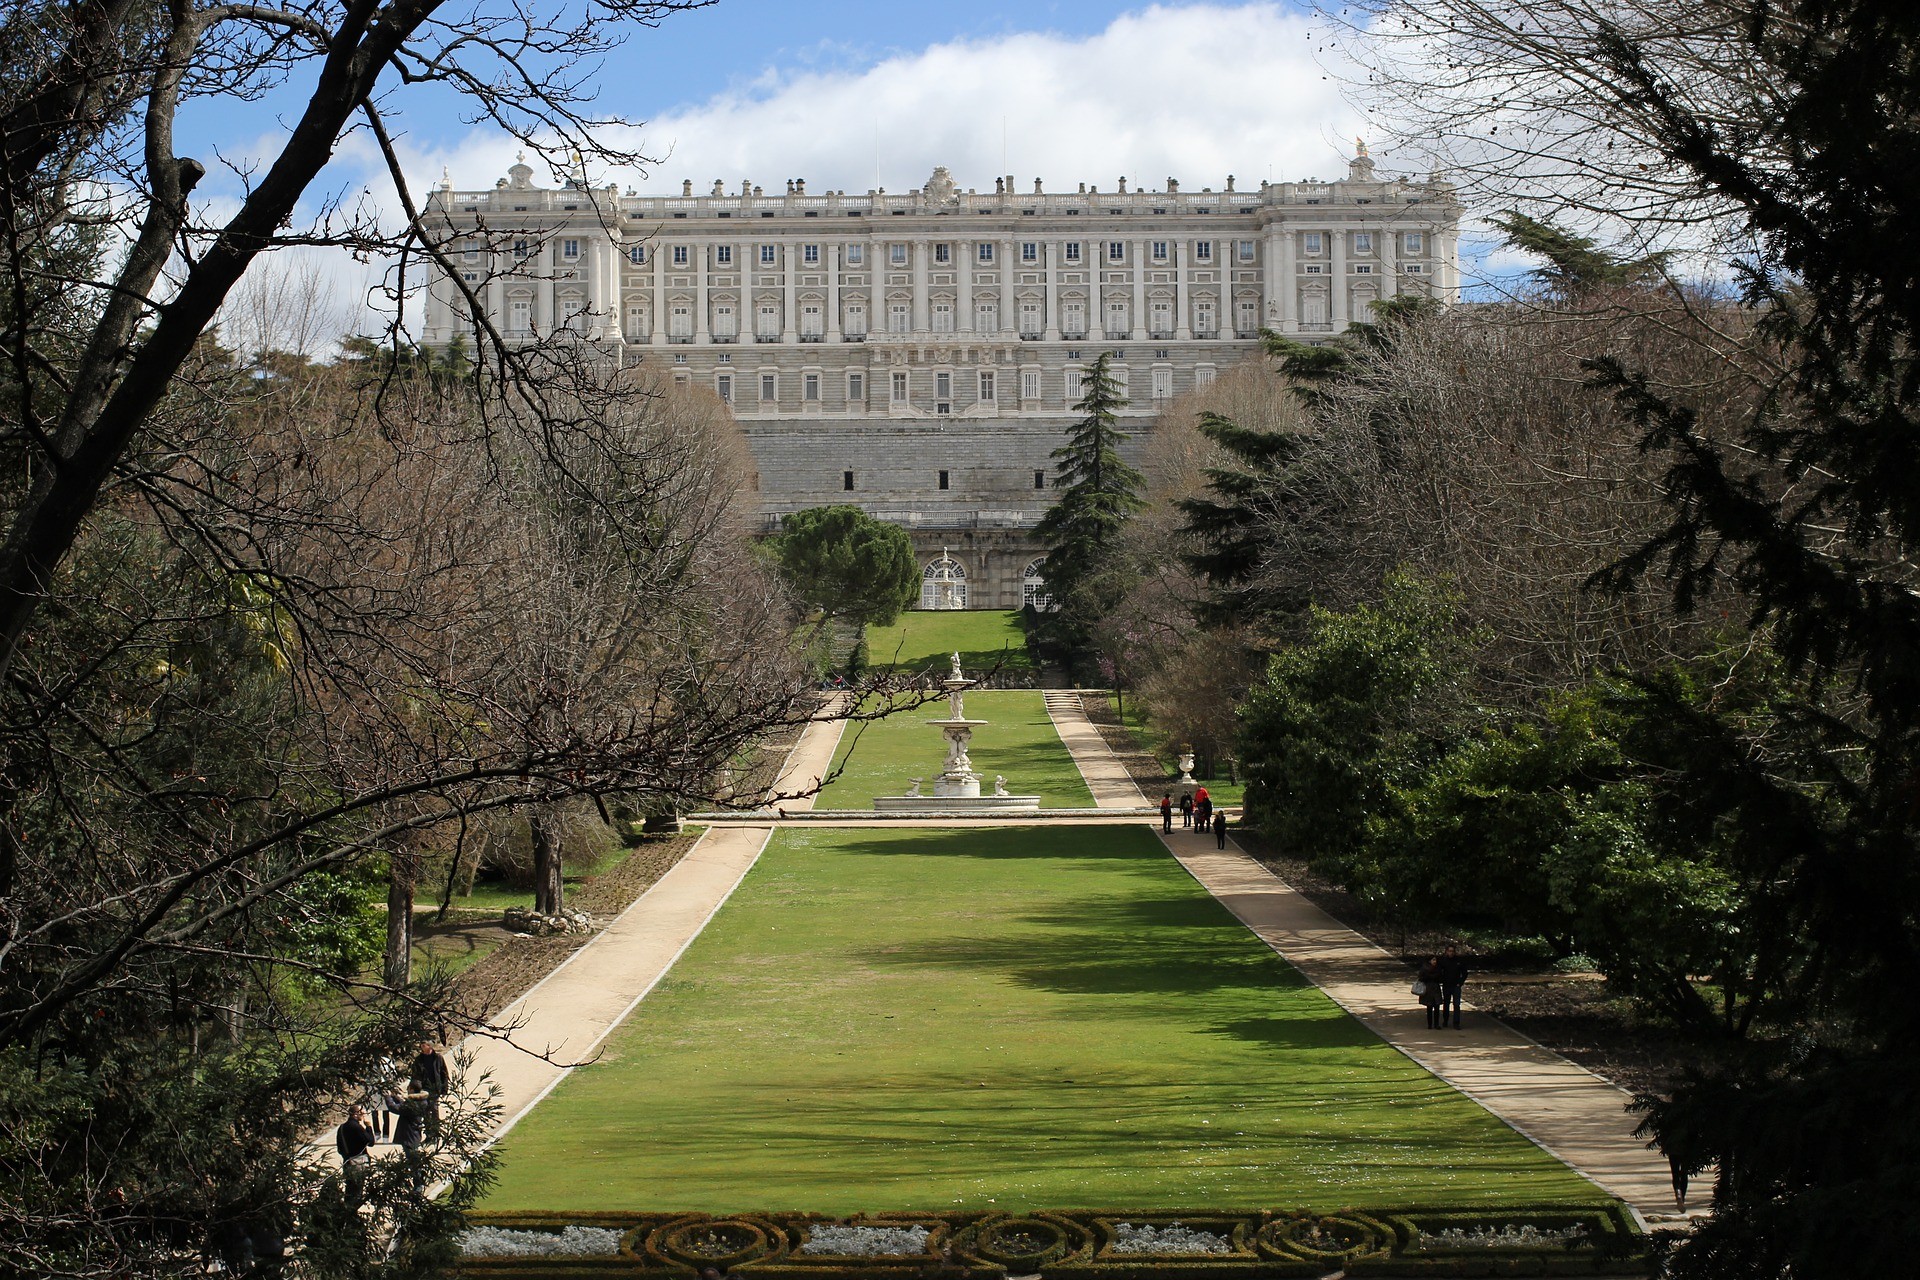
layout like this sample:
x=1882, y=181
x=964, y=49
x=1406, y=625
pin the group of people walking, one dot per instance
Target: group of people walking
x=1196, y=812
x=1437, y=988
x=406, y=1114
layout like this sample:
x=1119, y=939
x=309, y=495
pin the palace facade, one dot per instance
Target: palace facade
x=919, y=354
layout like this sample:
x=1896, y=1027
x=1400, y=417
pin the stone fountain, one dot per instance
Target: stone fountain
x=957, y=789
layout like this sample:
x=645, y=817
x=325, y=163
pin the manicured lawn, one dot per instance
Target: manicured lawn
x=916, y=1019
x=1018, y=741
x=923, y=640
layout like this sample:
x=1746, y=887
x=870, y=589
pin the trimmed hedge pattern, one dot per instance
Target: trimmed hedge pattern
x=1074, y=1245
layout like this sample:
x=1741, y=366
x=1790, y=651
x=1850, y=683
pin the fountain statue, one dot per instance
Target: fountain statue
x=957, y=789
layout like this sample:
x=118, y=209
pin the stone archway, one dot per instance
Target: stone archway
x=943, y=584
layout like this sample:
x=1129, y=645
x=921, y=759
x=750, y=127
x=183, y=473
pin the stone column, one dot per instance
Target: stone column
x=1276, y=254
x=963, y=286
x=1289, y=277
x=657, y=305
x=789, y=297
x=835, y=264
x=1051, y=301
x=1337, y=269
x=1005, y=261
x=1390, y=261
x=921, y=252
x=700, y=293
x=1137, y=328
x=1182, y=323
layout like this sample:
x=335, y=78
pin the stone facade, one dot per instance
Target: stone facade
x=919, y=353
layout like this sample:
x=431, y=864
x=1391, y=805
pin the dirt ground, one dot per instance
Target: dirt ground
x=517, y=962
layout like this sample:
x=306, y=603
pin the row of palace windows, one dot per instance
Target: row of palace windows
x=943, y=585
x=988, y=383
x=569, y=249
x=769, y=318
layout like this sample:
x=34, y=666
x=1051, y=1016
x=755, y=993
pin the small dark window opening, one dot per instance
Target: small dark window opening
x=846, y=479
x=943, y=479
x=1039, y=479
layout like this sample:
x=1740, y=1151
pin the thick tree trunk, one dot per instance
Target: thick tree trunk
x=547, y=883
x=398, y=970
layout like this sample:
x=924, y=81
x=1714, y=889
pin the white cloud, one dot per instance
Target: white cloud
x=1195, y=92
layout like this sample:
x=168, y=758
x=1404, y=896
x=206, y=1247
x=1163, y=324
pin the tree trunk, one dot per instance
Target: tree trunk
x=398, y=970
x=547, y=883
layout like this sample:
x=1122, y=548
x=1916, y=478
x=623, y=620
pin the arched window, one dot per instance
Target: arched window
x=1033, y=587
x=943, y=585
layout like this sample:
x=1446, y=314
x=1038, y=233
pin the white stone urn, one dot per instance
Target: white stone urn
x=1186, y=765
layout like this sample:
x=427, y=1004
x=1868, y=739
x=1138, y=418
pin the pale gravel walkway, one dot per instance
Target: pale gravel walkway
x=1112, y=786
x=1566, y=1109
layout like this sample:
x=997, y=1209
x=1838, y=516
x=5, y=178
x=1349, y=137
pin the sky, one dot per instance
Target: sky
x=852, y=94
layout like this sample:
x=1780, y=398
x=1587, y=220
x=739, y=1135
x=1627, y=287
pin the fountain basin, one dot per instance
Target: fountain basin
x=956, y=805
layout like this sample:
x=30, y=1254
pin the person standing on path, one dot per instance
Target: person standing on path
x=1426, y=989
x=1166, y=811
x=1186, y=810
x=1453, y=976
x=352, y=1140
x=430, y=1072
x=1220, y=830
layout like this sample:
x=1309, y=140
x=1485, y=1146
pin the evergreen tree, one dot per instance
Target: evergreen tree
x=1084, y=570
x=1575, y=263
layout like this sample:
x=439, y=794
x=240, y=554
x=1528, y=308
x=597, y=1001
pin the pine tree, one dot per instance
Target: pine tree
x=1084, y=570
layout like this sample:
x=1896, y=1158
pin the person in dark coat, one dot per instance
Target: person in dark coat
x=1453, y=976
x=353, y=1139
x=430, y=1072
x=1427, y=984
x=1166, y=811
x=1186, y=810
x=1219, y=830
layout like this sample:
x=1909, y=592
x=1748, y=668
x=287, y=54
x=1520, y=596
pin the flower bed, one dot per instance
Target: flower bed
x=1074, y=1245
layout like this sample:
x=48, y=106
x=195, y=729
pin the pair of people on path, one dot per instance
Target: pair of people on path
x=408, y=1116
x=1438, y=988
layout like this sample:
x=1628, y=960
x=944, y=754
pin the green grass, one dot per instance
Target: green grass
x=1019, y=741
x=919, y=1019
x=921, y=640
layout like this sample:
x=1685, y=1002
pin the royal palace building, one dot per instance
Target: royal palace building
x=919, y=354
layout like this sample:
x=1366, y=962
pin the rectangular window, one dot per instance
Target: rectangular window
x=1414, y=268
x=1363, y=242
x=1311, y=242
x=897, y=254
x=1203, y=375
x=943, y=317
x=1364, y=269
x=768, y=255
x=1029, y=251
x=767, y=326
x=943, y=480
x=724, y=323
x=569, y=249
x=1030, y=384
x=520, y=248
x=943, y=386
x=1246, y=250
x=846, y=480
x=1039, y=479
x=856, y=254
x=899, y=384
x=1315, y=269
x=679, y=255
x=810, y=388
x=769, y=386
x=986, y=316
x=810, y=254
x=1159, y=250
x=856, y=387
x=1073, y=251
x=1414, y=242
x=1162, y=384
x=942, y=253
x=469, y=251
x=637, y=255
x=899, y=317
x=856, y=320
x=723, y=255
x=724, y=385
x=986, y=385
x=986, y=253
x=1203, y=251
x=1116, y=251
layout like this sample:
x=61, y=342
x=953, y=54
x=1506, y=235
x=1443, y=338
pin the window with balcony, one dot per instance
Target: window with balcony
x=1073, y=319
x=1162, y=318
x=520, y=316
x=726, y=324
x=1203, y=320
x=766, y=326
x=899, y=317
x=986, y=317
x=1032, y=322
x=1116, y=318
x=943, y=317
x=680, y=323
x=856, y=326
x=812, y=324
